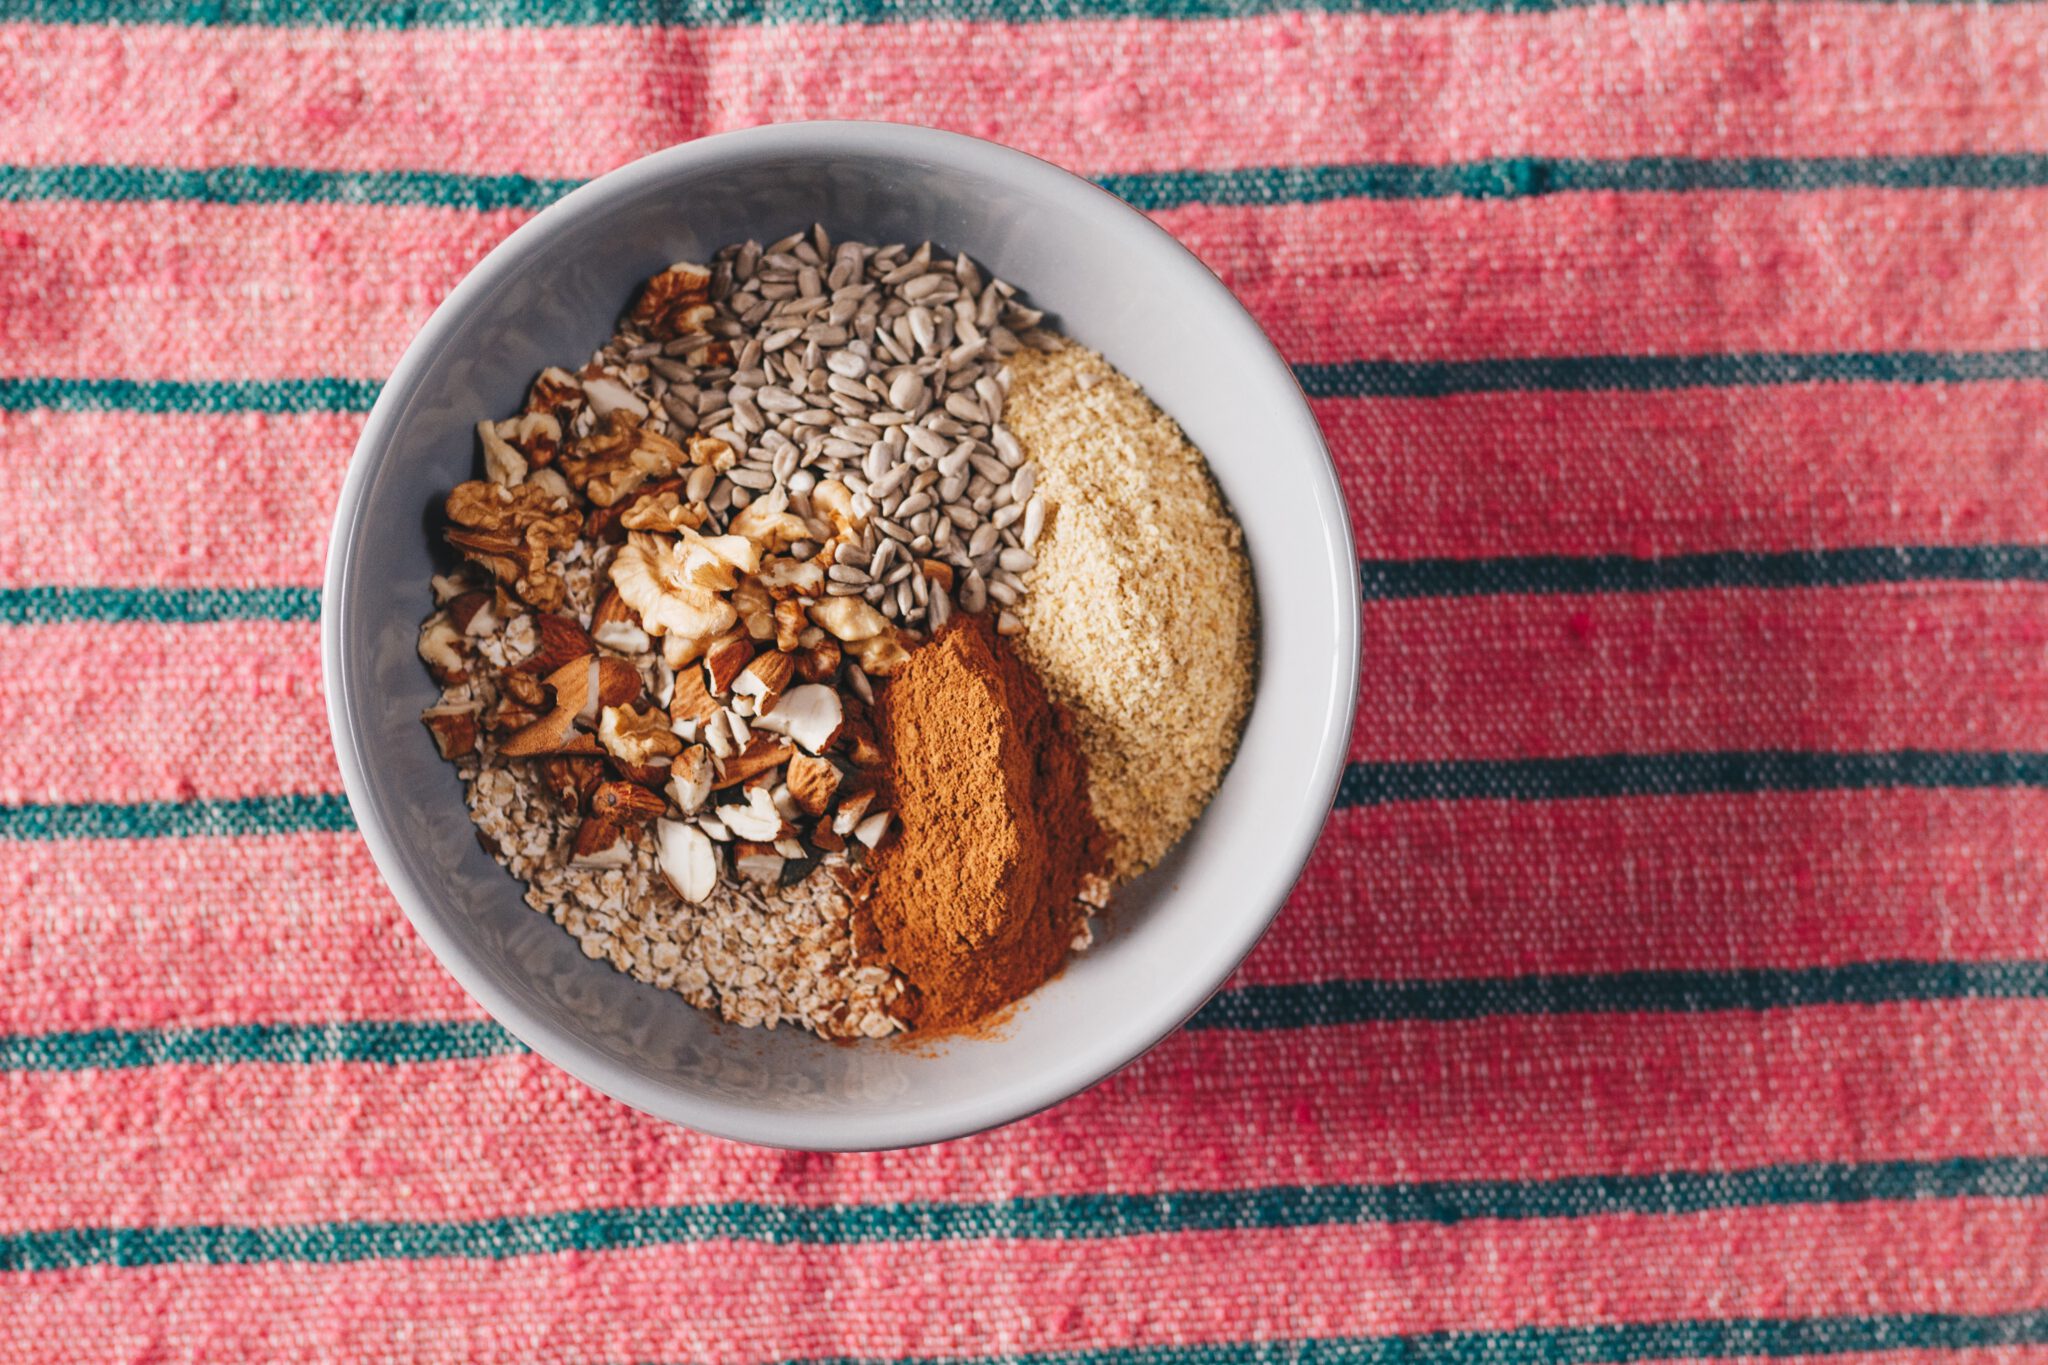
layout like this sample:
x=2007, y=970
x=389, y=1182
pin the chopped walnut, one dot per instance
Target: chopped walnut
x=511, y=531
x=557, y=393
x=618, y=457
x=768, y=520
x=664, y=511
x=637, y=735
x=675, y=303
x=653, y=576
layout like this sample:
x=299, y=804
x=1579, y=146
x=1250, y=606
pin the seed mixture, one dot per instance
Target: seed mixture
x=681, y=659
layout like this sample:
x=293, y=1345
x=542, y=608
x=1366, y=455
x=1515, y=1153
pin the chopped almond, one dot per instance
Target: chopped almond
x=725, y=660
x=765, y=679
x=625, y=803
x=453, y=728
x=812, y=782
x=763, y=753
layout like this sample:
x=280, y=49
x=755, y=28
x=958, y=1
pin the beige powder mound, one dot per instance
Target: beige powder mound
x=1140, y=617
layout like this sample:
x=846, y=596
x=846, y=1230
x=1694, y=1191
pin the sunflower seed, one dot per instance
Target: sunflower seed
x=759, y=480
x=905, y=390
x=1017, y=561
x=890, y=481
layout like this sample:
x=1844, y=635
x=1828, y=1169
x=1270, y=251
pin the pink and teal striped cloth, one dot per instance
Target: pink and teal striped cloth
x=1672, y=984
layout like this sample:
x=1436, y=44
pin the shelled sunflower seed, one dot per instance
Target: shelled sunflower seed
x=881, y=368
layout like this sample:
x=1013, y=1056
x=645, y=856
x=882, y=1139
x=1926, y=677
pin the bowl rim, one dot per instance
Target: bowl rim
x=1114, y=1047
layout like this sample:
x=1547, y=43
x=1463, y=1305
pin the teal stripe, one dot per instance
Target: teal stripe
x=1342, y=379
x=279, y=185
x=1382, y=579
x=1582, y=777
x=1532, y=177
x=1315, y=1004
x=382, y=1042
x=248, y=815
x=166, y=606
x=1325, y=1003
x=1046, y=1218
x=1644, y=373
x=1618, y=1344
x=710, y=13
x=26, y=393
x=1511, y=178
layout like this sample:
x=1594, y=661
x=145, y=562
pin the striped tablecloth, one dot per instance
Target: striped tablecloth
x=1671, y=984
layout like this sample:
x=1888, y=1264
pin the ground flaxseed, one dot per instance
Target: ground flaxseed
x=1141, y=618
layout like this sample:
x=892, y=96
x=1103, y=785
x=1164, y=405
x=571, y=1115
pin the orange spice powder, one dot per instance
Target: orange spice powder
x=974, y=903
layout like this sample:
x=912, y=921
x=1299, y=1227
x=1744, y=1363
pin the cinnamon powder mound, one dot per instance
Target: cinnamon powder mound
x=975, y=904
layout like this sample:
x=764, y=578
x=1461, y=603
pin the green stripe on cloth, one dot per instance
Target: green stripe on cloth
x=25, y=393
x=280, y=185
x=1252, y=186
x=384, y=1042
x=1343, y=379
x=1529, y=177
x=712, y=13
x=1364, y=784
x=1246, y=1009
x=1642, y=373
x=1380, y=579
x=248, y=815
x=162, y=606
x=1616, y=1344
x=1857, y=565
x=1049, y=1217
x=1682, y=774
x=1328, y=1003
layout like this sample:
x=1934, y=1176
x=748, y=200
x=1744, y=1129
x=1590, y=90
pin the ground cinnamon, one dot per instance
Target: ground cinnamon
x=975, y=901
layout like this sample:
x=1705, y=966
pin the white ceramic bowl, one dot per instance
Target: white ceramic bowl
x=549, y=294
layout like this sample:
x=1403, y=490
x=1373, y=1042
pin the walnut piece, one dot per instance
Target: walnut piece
x=654, y=577
x=511, y=531
x=675, y=303
x=637, y=736
x=618, y=457
x=664, y=511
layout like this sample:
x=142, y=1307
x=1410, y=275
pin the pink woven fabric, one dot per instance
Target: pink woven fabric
x=1671, y=985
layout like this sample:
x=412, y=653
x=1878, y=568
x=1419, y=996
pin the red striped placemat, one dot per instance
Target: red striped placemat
x=1670, y=985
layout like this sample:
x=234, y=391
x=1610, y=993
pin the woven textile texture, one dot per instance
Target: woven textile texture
x=1671, y=984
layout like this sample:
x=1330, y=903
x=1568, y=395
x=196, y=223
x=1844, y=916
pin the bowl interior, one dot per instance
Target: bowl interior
x=550, y=295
